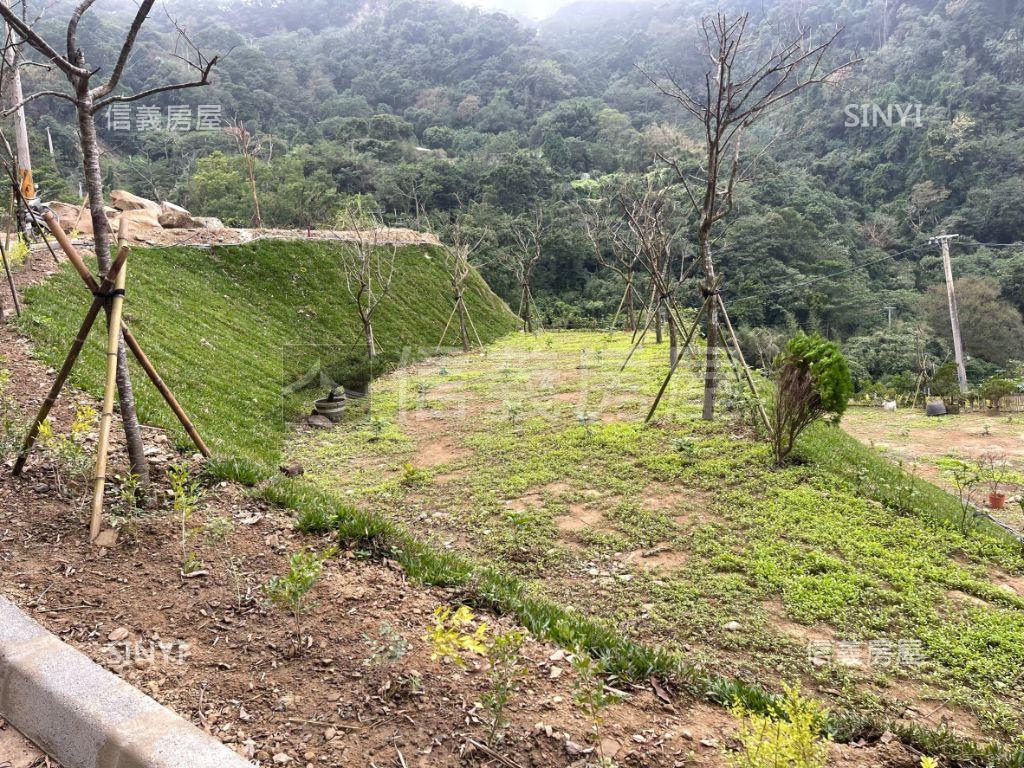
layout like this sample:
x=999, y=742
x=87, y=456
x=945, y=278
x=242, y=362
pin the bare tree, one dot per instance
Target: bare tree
x=368, y=264
x=458, y=253
x=651, y=235
x=601, y=230
x=528, y=234
x=249, y=146
x=744, y=81
x=88, y=100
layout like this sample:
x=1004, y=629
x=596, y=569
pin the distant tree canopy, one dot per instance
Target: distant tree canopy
x=991, y=327
x=430, y=105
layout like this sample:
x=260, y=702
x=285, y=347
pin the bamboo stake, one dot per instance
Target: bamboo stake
x=446, y=326
x=69, y=361
x=10, y=282
x=679, y=359
x=129, y=337
x=746, y=369
x=107, y=415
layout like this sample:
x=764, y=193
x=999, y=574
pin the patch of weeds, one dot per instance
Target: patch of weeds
x=389, y=645
x=316, y=519
x=11, y=431
x=66, y=454
x=125, y=515
x=413, y=476
x=217, y=529
x=235, y=470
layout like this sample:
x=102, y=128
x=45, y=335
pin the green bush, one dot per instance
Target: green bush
x=812, y=382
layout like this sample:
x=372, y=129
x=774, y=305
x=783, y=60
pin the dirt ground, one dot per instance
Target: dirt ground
x=209, y=646
x=920, y=441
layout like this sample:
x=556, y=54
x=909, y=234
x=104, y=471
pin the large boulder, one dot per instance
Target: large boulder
x=208, y=222
x=72, y=218
x=175, y=217
x=139, y=219
x=77, y=218
x=126, y=201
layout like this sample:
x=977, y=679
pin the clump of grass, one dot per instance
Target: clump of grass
x=235, y=470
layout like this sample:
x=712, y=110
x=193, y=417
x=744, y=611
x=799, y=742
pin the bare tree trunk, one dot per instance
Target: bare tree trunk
x=101, y=239
x=673, y=341
x=251, y=165
x=711, y=327
x=526, y=299
x=463, y=332
x=629, y=304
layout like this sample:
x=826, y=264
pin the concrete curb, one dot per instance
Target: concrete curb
x=86, y=717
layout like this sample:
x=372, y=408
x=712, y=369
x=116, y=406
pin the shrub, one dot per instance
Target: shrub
x=996, y=389
x=790, y=738
x=812, y=381
x=291, y=591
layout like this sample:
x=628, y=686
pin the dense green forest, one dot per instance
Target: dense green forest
x=428, y=106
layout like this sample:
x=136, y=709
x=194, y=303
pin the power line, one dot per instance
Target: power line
x=813, y=280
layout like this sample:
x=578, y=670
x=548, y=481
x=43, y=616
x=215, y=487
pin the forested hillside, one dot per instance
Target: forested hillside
x=430, y=106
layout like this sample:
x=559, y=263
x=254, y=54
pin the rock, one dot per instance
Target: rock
x=126, y=201
x=554, y=673
x=557, y=655
x=572, y=748
x=208, y=222
x=732, y=626
x=72, y=218
x=292, y=470
x=41, y=488
x=106, y=538
x=610, y=747
x=118, y=634
x=281, y=758
x=140, y=218
x=175, y=217
x=330, y=733
x=319, y=422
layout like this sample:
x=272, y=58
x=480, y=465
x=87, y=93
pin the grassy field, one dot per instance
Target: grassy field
x=229, y=328
x=530, y=476
x=839, y=571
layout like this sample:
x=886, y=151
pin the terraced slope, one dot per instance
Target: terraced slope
x=230, y=328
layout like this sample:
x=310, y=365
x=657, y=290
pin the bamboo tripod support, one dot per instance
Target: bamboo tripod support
x=129, y=338
x=98, y=303
x=736, y=347
x=107, y=415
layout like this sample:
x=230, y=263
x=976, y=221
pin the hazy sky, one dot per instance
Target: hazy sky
x=531, y=9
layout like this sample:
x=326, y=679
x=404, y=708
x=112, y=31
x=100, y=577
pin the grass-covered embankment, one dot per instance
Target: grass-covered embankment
x=230, y=327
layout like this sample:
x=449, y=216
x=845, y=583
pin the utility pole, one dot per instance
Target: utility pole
x=12, y=62
x=890, y=310
x=954, y=317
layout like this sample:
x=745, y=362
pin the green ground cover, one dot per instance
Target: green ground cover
x=534, y=457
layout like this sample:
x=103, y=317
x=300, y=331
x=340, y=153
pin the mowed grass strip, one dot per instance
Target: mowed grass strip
x=230, y=327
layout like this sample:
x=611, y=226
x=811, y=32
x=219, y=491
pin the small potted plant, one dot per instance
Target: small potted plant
x=996, y=473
